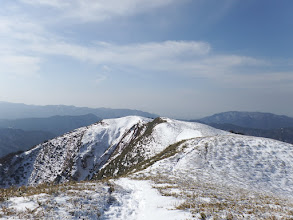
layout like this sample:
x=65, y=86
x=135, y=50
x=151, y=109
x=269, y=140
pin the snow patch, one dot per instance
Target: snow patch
x=137, y=200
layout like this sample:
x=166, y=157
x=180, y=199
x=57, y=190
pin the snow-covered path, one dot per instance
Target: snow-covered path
x=137, y=200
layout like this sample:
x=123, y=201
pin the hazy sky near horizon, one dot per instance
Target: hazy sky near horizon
x=184, y=59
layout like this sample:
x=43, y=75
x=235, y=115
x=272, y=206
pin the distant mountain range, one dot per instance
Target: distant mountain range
x=17, y=111
x=23, y=126
x=56, y=124
x=22, y=134
x=281, y=134
x=258, y=124
x=257, y=120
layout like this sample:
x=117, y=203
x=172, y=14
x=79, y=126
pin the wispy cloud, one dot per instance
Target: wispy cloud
x=99, y=10
x=184, y=58
x=50, y=3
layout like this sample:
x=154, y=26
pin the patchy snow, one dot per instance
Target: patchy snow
x=172, y=131
x=128, y=199
x=82, y=201
x=22, y=204
x=137, y=200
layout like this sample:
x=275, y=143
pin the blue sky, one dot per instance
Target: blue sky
x=184, y=59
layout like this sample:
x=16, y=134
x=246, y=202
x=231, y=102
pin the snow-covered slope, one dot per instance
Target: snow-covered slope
x=150, y=140
x=242, y=161
x=74, y=155
x=80, y=154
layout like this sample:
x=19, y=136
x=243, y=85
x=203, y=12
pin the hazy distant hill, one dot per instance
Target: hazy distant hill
x=13, y=140
x=281, y=134
x=257, y=120
x=22, y=134
x=56, y=124
x=17, y=110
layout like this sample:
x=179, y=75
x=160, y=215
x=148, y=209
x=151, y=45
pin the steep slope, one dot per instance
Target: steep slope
x=257, y=120
x=93, y=150
x=68, y=156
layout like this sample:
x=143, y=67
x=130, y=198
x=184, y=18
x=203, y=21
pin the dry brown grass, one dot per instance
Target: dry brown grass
x=216, y=201
x=43, y=196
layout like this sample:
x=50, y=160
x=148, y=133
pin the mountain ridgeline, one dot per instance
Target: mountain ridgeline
x=256, y=120
x=281, y=134
x=56, y=125
x=49, y=121
x=18, y=111
x=257, y=124
x=133, y=144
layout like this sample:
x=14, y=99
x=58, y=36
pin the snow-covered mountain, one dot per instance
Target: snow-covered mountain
x=213, y=173
x=97, y=149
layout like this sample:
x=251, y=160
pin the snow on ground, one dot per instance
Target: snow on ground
x=118, y=199
x=228, y=176
x=99, y=141
x=110, y=131
x=251, y=162
x=22, y=204
x=71, y=201
x=137, y=200
x=172, y=131
x=211, y=200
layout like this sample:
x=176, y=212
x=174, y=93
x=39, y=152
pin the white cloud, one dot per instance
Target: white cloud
x=184, y=58
x=16, y=35
x=50, y=3
x=99, y=10
x=145, y=55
